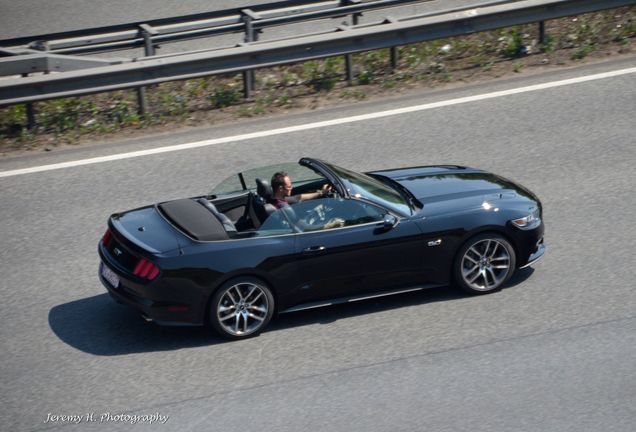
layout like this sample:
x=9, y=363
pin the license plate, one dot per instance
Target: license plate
x=110, y=276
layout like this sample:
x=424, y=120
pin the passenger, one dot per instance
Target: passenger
x=282, y=188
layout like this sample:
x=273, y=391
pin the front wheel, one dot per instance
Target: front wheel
x=484, y=263
x=241, y=307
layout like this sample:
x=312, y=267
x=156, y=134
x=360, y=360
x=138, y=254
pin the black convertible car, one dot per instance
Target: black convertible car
x=231, y=259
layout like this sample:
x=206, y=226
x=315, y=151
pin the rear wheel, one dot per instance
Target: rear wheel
x=241, y=307
x=484, y=263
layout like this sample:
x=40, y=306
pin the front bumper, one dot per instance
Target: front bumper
x=535, y=256
x=528, y=243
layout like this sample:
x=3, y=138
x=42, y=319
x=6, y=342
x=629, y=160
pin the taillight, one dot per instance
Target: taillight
x=106, y=237
x=145, y=269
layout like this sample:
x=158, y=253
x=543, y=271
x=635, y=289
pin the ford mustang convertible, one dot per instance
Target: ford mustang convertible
x=232, y=260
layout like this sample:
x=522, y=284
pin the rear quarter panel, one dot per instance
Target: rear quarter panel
x=210, y=264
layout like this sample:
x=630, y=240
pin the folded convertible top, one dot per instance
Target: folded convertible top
x=193, y=219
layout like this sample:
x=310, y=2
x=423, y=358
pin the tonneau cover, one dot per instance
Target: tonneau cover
x=193, y=219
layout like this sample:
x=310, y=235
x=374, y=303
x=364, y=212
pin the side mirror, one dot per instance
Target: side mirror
x=389, y=221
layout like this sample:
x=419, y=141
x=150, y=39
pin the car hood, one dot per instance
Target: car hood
x=441, y=183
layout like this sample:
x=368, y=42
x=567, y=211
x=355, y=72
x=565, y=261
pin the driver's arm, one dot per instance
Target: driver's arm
x=313, y=195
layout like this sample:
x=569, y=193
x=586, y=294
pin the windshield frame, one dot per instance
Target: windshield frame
x=354, y=182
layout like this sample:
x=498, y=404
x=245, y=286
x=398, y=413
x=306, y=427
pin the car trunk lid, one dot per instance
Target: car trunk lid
x=145, y=230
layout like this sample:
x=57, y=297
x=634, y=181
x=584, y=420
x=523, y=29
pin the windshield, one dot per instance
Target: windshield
x=361, y=185
x=246, y=180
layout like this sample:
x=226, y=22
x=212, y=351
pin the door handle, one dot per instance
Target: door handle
x=314, y=249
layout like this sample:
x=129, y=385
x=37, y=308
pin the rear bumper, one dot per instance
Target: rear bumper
x=156, y=301
x=151, y=311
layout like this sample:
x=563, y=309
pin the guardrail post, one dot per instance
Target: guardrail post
x=349, y=57
x=251, y=35
x=255, y=37
x=147, y=32
x=349, y=69
x=393, y=50
x=541, y=32
x=30, y=111
x=394, y=58
x=149, y=50
x=142, y=102
x=30, y=108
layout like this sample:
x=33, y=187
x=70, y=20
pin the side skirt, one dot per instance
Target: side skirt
x=352, y=299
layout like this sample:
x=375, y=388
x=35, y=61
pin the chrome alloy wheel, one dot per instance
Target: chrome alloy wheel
x=243, y=309
x=486, y=265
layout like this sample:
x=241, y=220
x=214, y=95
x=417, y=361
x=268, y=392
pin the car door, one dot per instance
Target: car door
x=362, y=256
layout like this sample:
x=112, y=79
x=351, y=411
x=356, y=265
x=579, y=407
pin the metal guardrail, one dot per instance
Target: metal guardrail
x=182, y=23
x=245, y=19
x=248, y=56
x=252, y=21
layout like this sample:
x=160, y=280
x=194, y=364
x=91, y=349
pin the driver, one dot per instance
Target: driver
x=282, y=188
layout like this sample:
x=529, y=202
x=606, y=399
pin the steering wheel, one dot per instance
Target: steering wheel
x=331, y=192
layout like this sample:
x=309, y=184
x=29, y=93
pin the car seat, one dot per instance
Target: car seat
x=261, y=203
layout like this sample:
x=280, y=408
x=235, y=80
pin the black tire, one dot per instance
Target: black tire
x=241, y=308
x=484, y=264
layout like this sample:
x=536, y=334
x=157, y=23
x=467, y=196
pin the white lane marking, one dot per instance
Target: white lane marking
x=307, y=126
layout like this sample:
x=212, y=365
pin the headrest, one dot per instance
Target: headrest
x=264, y=189
x=225, y=221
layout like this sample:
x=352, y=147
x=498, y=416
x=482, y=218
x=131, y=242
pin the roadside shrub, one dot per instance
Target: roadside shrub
x=365, y=77
x=511, y=43
x=582, y=52
x=13, y=120
x=322, y=74
x=225, y=96
x=123, y=112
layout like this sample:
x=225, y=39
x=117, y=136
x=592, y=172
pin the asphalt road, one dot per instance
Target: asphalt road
x=554, y=351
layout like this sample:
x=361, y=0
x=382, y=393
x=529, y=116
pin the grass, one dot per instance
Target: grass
x=432, y=63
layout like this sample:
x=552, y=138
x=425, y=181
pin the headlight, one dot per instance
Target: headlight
x=532, y=219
